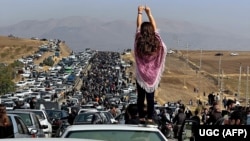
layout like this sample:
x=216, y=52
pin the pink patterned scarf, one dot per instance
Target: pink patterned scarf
x=150, y=68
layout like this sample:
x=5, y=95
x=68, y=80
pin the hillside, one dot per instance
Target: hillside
x=180, y=78
x=13, y=48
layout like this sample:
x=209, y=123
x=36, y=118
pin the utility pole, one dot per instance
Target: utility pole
x=219, y=72
x=239, y=84
x=199, y=73
x=247, y=86
x=221, y=88
x=186, y=67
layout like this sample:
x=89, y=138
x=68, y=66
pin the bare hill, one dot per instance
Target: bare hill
x=13, y=48
x=180, y=78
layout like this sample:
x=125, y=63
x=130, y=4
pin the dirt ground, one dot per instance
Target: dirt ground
x=181, y=78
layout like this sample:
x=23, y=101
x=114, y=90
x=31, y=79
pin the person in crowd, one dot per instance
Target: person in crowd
x=205, y=116
x=236, y=118
x=196, y=117
x=72, y=116
x=150, y=54
x=230, y=105
x=215, y=114
x=178, y=121
x=117, y=110
x=6, y=127
x=131, y=114
x=64, y=106
x=112, y=110
x=248, y=116
x=33, y=103
x=188, y=113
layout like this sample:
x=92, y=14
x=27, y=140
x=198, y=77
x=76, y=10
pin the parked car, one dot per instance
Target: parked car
x=114, y=132
x=19, y=128
x=32, y=122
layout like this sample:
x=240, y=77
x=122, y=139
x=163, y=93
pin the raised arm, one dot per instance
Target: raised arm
x=139, y=16
x=150, y=17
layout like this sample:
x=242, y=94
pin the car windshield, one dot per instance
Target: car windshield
x=117, y=135
x=39, y=114
x=26, y=118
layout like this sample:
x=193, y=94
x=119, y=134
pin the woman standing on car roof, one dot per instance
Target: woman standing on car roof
x=6, y=128
x=150, y=53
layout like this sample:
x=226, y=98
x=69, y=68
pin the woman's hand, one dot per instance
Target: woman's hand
x=141, y=9
x=147, y=10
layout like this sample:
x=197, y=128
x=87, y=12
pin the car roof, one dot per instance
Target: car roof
x=110, y=127
x=14, y=111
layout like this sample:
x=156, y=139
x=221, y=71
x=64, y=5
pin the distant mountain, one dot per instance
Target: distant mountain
x=85, y=32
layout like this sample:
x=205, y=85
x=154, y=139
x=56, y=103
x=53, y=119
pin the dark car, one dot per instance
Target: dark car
x=91, y=118
x=59, y=120
x=219, y=54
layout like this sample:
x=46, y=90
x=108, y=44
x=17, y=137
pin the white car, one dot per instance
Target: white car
x=44, y=120
x=30, y=81
x=114, y=132
x=234, y=54
x=47, y=97
x=21, y=83
x=26, y=74
x=41, y=78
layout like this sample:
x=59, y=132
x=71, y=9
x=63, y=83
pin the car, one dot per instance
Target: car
x=31, y=121
x=59, y=120
x=110, y=117
x=10, y=105
x=19, y=128
x=219, y=54
x=43, y=118
x=234, y=54
x=82, y=110
x=114, y=132
x=21, y=83
x=30, y=81
x=90, y=118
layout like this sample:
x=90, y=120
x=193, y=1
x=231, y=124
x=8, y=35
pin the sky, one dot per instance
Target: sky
x=229, y=15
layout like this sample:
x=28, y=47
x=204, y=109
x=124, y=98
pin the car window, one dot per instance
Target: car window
x=26, y=118
x=22, y=129
x=116, y=135
x=39, y=114
x=36, y=121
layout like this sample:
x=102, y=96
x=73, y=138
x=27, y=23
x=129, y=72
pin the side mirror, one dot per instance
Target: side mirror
x=44, y=126
x=33, y=131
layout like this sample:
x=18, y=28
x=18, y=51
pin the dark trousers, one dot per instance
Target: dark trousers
x=141, y=93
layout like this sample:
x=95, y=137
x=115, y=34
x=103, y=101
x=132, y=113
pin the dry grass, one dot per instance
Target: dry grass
x=14, y=48
x=179, y=79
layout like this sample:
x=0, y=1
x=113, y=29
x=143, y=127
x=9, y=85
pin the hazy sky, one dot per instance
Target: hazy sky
x=229, y=15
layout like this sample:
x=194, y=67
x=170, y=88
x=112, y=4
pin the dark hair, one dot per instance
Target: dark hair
x=147, y=43
x=230, y=101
